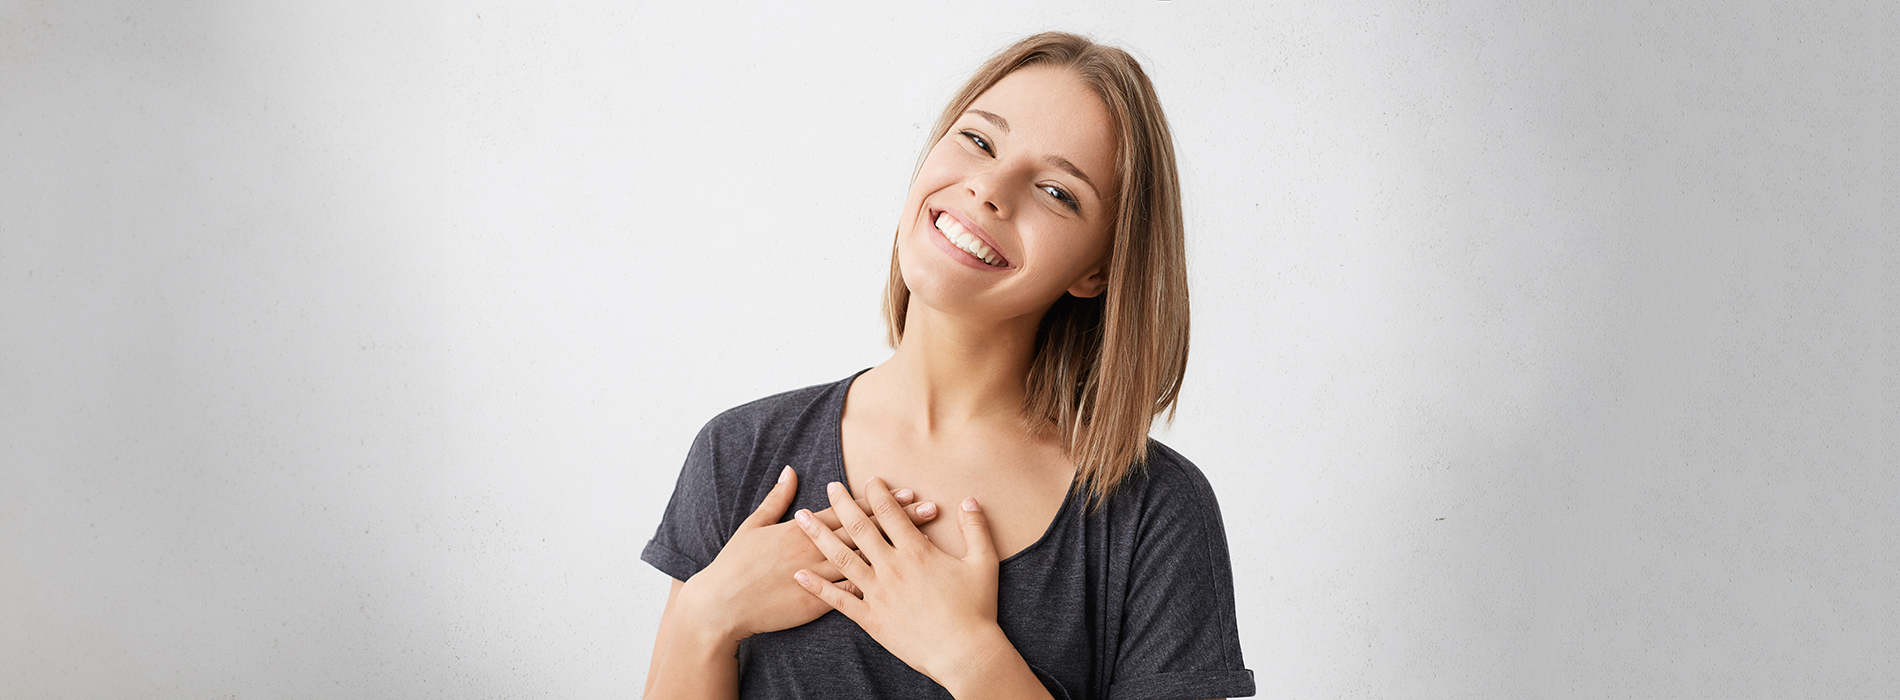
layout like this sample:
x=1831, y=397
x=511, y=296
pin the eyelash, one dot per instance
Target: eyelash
x=1063, y=197
x=1058, y=193
x=978, y=140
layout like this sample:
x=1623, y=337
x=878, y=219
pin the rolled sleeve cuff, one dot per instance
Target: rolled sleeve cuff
x=669, y=562
x=1186, y=685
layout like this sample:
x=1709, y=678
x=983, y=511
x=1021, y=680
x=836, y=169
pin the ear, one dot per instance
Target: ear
x=1091, y=284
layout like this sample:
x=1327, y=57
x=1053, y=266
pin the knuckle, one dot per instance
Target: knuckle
x=842, y=558
x=862, y=530
x=885, y=507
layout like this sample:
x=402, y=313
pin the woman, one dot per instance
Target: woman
x=1038, y=306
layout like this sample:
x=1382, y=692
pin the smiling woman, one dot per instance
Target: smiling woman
x=1038, y=307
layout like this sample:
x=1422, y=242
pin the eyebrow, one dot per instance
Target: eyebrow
x=1054, y=160
x=994, y=118
x=1069, y=167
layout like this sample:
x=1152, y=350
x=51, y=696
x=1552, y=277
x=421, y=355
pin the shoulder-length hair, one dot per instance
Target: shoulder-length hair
x=1105, y=366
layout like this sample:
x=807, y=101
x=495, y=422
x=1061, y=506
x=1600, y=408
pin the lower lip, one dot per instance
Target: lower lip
x=962, y=256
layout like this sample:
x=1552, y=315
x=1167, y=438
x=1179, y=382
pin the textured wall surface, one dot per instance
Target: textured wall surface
x=1541, y=349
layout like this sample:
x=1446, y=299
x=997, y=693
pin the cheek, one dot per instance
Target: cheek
x=1080, y=250
x=1079, y=245
x=945, y=164
x=935, y=173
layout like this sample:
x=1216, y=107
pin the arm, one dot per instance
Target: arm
x=993, y=669
x=1178, y=628
x=691, y=665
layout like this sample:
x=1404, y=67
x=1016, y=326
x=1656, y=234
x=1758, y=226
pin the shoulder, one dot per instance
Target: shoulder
x=1166, y=497
x=1167, y=477
x=731, y=464
x=775, y=415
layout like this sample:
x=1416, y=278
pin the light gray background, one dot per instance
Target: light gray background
x=1540, y=349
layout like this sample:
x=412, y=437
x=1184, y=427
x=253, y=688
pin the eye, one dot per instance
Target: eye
x=977, y=139
x=1063, y=196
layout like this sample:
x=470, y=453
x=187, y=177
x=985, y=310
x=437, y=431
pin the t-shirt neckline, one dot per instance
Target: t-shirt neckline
x=835, y=414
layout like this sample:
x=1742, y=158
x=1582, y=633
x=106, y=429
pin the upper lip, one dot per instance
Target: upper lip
x=971, y=227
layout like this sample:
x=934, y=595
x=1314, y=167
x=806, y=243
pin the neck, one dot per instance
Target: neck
x=950, y=371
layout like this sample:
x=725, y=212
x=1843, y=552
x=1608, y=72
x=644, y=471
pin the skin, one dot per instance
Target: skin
x=745, y=591
x=942, y=415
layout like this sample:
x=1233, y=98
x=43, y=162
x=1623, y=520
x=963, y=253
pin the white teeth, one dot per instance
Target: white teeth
x=954, y=232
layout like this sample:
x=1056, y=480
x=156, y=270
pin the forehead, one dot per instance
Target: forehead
x=1052, y=112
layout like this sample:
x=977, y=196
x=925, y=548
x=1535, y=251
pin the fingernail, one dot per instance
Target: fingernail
x=901, y=494
x=927, y=510
x=969, y=504
x=834, y=486
x=803, y=517
x=803, y=580
x=785, y=473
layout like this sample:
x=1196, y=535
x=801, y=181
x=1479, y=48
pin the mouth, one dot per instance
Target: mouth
x=967, y=238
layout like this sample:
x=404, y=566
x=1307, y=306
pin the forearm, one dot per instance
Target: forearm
x=690, y=666
x=688, y=662
x=991, y=667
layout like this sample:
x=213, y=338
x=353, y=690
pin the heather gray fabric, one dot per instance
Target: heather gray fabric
x=1134, y=601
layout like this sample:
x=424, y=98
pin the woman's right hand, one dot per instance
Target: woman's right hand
x=748, y=588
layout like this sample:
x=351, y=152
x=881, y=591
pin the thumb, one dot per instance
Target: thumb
x=976, y=533
x=772, y=509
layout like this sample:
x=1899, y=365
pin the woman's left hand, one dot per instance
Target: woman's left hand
x=934, y=611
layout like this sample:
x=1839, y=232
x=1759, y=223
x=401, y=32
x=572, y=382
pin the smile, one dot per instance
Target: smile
x=954, y=232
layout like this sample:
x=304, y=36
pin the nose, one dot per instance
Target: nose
x=988, y=189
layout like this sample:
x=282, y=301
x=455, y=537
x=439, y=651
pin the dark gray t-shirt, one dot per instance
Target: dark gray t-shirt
x=1133, y=601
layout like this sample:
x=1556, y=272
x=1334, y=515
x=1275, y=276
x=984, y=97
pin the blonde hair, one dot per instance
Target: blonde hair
x=1104, y=366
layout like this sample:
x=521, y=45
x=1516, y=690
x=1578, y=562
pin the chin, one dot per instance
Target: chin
x=930, y=281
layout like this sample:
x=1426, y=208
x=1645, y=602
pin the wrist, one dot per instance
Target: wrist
x=703, y=620
x=983, y=662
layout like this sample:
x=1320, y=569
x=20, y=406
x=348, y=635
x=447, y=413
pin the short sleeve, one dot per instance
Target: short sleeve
x=1179, y=637
x=693, y=528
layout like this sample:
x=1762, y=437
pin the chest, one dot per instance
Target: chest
x=1044, y=605
x=1021, y=481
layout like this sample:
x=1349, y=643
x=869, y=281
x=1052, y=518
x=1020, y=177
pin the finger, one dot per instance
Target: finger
x=776, y=501
x=977, y=545
x=822, y=565
x=919, y=513
x=833, y=594
x=849, y=563
x=864, y=530
x=904, y=496
x=842, y=535
x=890, y=515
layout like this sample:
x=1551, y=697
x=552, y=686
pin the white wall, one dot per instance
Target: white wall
x=352, y=351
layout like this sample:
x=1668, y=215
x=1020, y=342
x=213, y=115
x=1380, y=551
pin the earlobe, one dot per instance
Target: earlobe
x=1093, y=285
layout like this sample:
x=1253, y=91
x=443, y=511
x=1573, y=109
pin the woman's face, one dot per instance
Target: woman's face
x=1024, y=182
